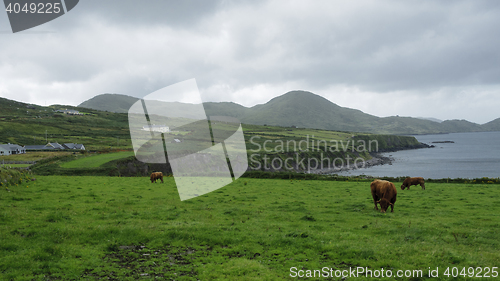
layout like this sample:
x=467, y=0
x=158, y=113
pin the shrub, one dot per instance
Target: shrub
x=10, y=177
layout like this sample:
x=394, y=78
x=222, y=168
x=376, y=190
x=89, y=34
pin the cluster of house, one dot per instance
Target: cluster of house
x=55, y=145
x=69, y=111
x=161, y=129
x=156, y=128
x=10, y=149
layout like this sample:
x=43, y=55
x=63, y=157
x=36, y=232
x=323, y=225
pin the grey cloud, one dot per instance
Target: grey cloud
x=414, y=48
x=133, y=13
x=394, y=49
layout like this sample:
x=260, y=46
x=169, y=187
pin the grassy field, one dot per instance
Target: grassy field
x=34, y=155
x=96, y=160
x=70, y=228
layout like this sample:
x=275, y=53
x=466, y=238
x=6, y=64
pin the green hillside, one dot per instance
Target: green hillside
x=461, y=126
x=27, y=124
x=121, y=104
x=492, y=125
x=110, y=102
x=103, y=131
x=306, y=110
x=226, y=109
x=407, y=125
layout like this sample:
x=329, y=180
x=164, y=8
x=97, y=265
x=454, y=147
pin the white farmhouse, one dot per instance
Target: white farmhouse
x=9, y=149
x=157, y=128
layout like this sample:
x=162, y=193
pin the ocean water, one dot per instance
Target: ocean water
x=472, y=155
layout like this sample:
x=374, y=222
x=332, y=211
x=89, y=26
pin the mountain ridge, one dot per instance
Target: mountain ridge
x=308, y=110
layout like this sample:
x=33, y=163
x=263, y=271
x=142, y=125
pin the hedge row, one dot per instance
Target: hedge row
x=10, y=177
x=303, y=176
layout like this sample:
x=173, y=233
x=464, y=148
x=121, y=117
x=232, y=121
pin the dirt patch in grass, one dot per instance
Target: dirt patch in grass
x=137, y=261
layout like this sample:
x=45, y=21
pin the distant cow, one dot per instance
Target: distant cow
x=413, y=181
x=156, y=176
x=384, y=193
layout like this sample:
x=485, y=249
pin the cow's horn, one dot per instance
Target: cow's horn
x=391, y=204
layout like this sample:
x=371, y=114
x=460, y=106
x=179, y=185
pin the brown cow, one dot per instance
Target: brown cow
x=156, y=176
x=384, y=193
x=413, y=181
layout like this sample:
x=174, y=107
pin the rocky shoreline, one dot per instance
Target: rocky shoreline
x=421, y=145
x=376, y=160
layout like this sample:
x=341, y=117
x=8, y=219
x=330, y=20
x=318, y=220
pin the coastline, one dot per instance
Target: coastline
x=376, y=160
x=471, y=156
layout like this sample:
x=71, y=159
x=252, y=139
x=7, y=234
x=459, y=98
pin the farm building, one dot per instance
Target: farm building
x=69, y=112
x=4, y=150
x=10, y=149
x=157, y=128
x=55, y=146
x=74, y=146
x=36, y=147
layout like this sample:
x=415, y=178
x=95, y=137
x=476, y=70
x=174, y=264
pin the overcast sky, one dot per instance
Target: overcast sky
x=410, y=58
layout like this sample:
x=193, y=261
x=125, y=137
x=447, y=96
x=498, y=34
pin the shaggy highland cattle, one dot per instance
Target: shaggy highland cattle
x=413, y=181
x=156, y=176
x=384, y=193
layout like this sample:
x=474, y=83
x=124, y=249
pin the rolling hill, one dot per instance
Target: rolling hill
x=307, y=110
x=492, y=125
x=29, y=124
x=110, y=102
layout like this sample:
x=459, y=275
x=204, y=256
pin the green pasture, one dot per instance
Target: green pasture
x=91, y=228
x=34, y=155
x=261, y=138
x=294, y=132
x=95, y=161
